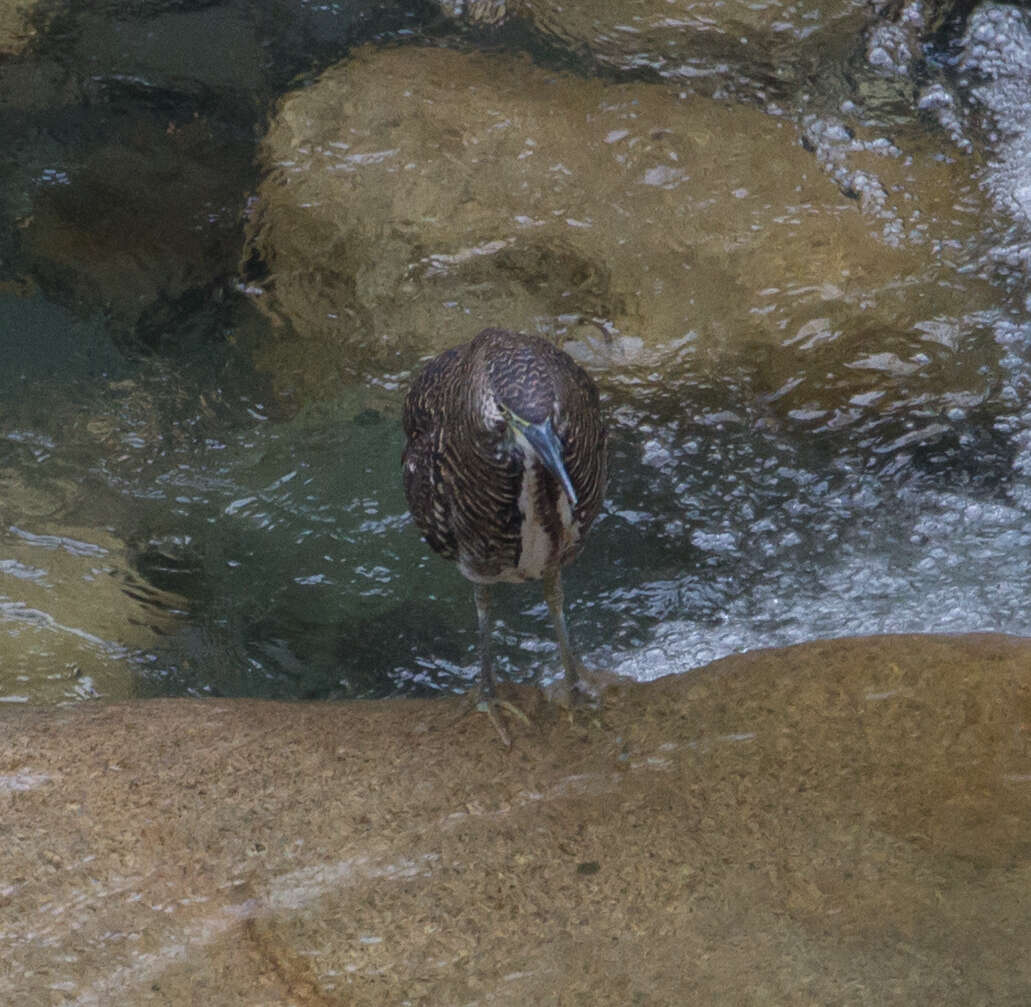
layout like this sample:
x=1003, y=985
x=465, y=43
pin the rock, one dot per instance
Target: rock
x=758, y=51
x=17, y=29
x=141, y=118
x=414, y=196
x=129, y=193
x=76, y=620
x=708, y=45
x=842, y=822
x=73, y=617
x=143, y=229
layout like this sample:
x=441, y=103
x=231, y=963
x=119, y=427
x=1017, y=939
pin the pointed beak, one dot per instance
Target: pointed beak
x=546, y=444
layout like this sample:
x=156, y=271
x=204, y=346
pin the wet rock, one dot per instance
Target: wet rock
x=996, y=54
x=199, y=48
x=128, y=163
x=205, y=48
x=414, y=196
x=709, y=46
x=143, y=228
x=76, y=621
x=130, y=129
x=844, y=821
x=764, y=52
x=73, y=618
x=17, y=28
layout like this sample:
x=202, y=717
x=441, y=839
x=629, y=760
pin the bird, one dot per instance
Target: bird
x=505, y=467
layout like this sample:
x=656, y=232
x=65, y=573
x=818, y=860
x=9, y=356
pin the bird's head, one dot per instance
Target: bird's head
x=520, y=402
x=542, y=440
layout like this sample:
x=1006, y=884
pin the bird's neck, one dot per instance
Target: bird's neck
x=548, y=531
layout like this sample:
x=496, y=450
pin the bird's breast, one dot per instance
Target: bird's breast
x=512, y=544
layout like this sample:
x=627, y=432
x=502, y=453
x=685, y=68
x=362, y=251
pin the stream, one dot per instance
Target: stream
x=179, y=519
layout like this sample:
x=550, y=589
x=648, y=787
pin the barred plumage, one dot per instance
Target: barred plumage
x=505, y=467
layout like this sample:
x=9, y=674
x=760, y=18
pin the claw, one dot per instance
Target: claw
x=481, y=702
x=487, y=706
x=491, y=706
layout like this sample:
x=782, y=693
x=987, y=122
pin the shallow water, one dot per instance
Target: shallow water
x=266, y=544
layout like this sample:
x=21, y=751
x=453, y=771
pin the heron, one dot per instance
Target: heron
x=505, y=469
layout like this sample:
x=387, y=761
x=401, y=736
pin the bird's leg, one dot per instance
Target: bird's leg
x=570, y=662
x=487, y=685
x=582, y=689
x=487, y=682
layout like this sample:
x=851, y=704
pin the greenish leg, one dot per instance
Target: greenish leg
x=487, y=685
x=570, y=662
x=487, y=681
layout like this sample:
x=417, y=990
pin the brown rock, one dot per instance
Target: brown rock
x=842, y=822
x=16, y=25
x=705, y=44
x=416, y=196
x=72, y=614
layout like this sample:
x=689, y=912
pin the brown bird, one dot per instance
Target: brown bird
x=504, y=472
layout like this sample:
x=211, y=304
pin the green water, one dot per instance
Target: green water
x=174, y=524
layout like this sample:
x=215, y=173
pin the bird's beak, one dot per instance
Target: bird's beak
x=545, y=442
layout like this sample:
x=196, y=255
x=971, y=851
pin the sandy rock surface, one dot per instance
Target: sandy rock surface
x=842, y=822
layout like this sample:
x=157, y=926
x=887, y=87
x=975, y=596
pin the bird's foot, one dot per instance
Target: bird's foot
x=581, y=696
x=580, y=687
x=483, y=702
x=491, y=705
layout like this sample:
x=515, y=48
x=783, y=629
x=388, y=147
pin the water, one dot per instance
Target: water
x=174, y=524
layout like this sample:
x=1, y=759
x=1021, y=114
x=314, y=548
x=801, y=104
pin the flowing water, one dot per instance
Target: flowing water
x=169, y=526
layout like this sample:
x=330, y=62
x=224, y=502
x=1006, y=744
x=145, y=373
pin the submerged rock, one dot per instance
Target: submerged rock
x=709, y=45
x=76, y=620
x=143, y=229
x=73, y=618
x=17, y=29
x=842, y=822
x=997, y=54
x=414, y=196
